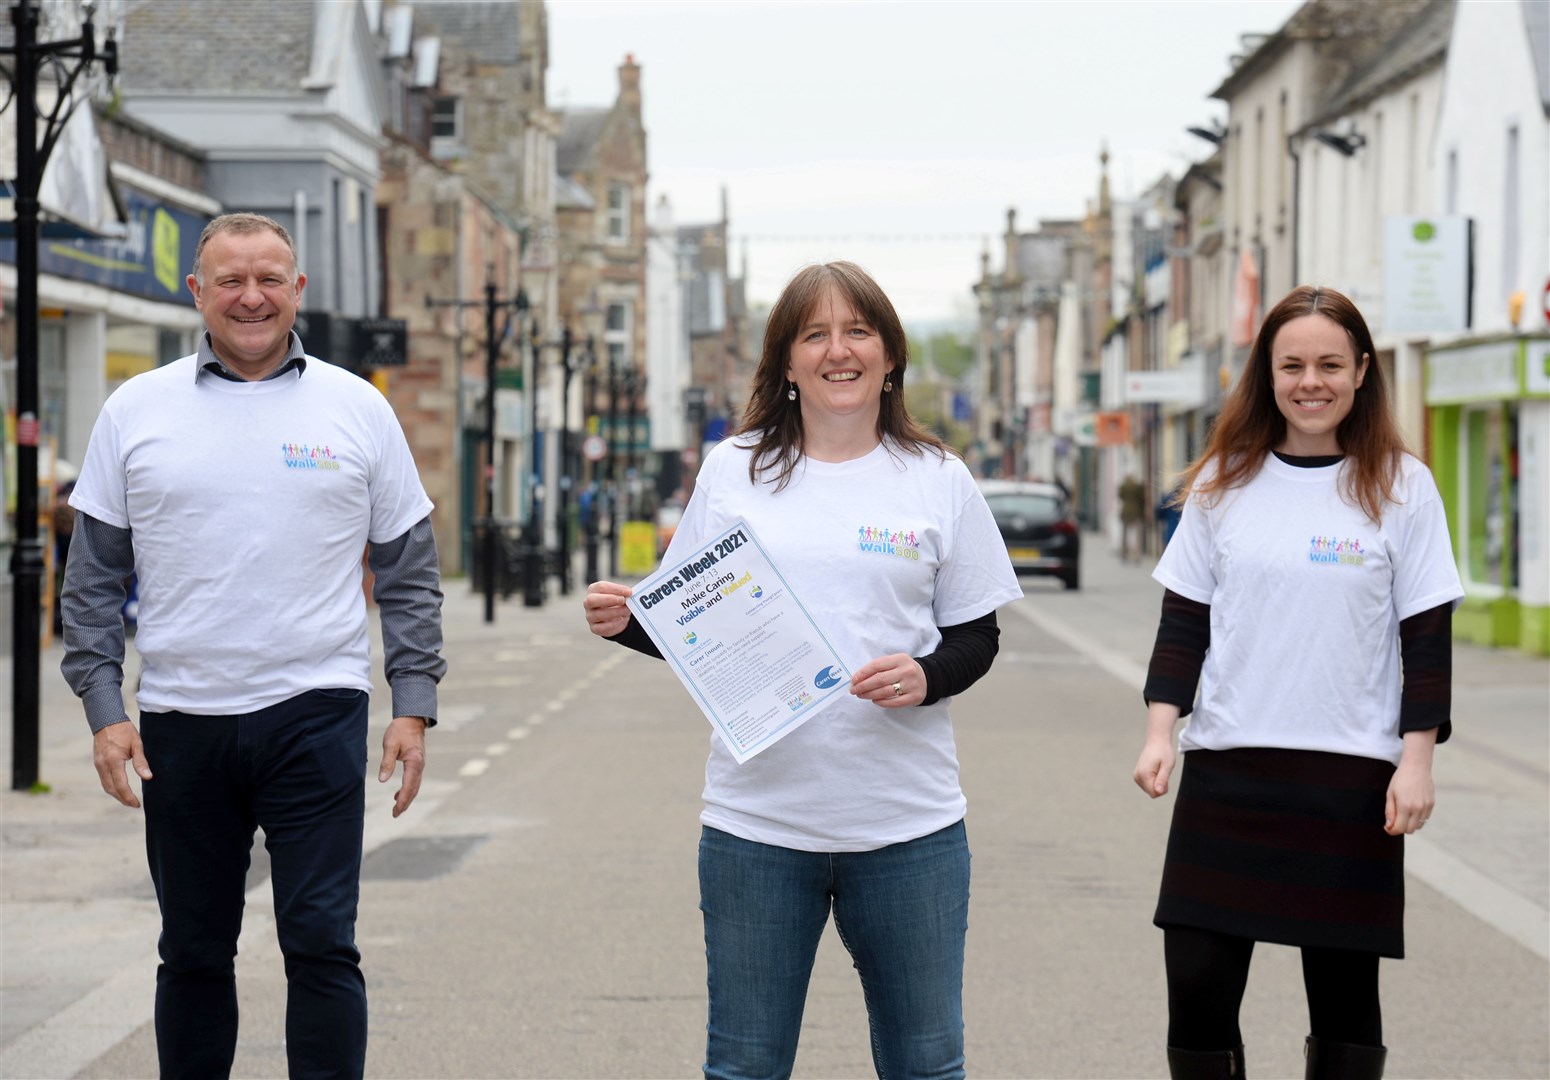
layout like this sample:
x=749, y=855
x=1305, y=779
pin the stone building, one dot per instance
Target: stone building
x=602, y=230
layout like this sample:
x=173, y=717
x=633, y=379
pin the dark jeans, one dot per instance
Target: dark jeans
x=902, y=911
x=297, y=770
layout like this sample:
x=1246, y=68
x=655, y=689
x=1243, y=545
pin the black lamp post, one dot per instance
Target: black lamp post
x=533, y=532
x=591, y=508
x=493, y=305
x=572, y=360
x=613, y=467
x=67, y=60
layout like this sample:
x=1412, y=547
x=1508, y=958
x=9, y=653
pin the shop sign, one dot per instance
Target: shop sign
x=510, y=416
x=1113, y=428
x=1484, y=372
x=1425, y=274
x=1184, y=385
x=151, y=260
x=1536, y=367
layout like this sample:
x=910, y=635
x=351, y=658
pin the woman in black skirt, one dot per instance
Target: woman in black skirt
x=1309, y=594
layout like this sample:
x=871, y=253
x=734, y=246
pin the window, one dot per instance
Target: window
x=617, y=224
x=616, y=336
x=446, y=127
x=445, y=117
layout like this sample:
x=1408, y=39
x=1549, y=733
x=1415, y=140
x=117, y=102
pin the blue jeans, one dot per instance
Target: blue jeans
x=902, y=912
x=296, y=769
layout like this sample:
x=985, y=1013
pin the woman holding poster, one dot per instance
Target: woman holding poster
x=882, y=530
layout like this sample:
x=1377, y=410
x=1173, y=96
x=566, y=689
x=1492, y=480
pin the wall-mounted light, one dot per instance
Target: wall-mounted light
x=1347, y=144
x=1211, y=134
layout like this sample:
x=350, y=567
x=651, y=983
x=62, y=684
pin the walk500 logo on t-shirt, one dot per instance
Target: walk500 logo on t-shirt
x=302, y=456
x=904, y=545
x=1326, y=549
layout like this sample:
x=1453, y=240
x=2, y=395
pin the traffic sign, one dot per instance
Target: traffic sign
x=594, y=448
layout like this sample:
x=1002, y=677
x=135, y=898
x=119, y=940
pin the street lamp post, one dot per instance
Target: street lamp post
x=572, y=361
x=493, y=306
x=27, y=562
x=613, y=467
x=533, y=532
x=591, y=509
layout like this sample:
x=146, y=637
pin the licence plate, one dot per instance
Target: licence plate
x=1023, y=553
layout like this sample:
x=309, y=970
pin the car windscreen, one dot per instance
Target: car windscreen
x=1024, y=509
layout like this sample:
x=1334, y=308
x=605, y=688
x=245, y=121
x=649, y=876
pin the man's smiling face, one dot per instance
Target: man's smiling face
x=249, y=291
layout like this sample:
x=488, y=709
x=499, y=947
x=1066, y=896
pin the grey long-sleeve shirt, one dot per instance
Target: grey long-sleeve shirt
x=407, y=592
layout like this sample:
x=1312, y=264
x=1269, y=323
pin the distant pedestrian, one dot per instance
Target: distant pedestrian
x=241, y=485
x=1169, y=508
x=1132, y=517
x=859, y=812
x=1310, y=590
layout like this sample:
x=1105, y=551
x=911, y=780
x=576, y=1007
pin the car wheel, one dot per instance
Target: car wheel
x=1071, y=581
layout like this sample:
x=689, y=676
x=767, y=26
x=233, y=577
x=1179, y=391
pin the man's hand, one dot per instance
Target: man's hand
x=113, y=747
x=404, y=741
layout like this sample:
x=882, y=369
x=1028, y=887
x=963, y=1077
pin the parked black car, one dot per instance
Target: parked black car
x=1040, y=531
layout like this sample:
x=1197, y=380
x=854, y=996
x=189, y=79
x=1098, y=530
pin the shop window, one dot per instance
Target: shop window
x=1488, y=468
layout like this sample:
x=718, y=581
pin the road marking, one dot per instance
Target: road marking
x=1116, y=664
x=496, y=749
x=89, y=1027
x=474, y=767
x=1520, y=919
x=518, y=733
x=1489, y=901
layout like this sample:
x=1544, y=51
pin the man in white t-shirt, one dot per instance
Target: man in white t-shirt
x=240, y=486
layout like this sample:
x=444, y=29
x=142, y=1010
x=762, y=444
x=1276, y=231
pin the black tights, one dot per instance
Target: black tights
x=1207, y=973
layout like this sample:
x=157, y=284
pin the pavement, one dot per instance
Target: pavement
x=535, y=912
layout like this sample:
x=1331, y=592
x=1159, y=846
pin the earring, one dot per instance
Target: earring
x=888, y=385
x=791, y=395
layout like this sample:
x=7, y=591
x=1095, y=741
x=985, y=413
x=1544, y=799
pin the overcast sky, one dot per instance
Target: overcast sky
x=897, y=134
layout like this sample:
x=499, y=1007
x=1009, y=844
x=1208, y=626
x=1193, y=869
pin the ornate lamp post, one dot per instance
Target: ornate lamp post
x=572, y=360
x=533, y=531
x=493, y=307
x=67, y=61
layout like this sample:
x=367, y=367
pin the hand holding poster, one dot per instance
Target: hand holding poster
x=740, y=641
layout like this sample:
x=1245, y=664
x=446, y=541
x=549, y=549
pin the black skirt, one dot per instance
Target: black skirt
x=1285, y=846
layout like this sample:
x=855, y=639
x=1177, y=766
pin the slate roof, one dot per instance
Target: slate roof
x=487, y=30
x=1416, y=45
x=192, y=46
x=580, y=130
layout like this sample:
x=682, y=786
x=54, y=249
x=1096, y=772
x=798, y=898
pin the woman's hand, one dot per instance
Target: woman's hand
x=1411, y=793
x=607, y=611
x=1158, y=757
x=892, y=681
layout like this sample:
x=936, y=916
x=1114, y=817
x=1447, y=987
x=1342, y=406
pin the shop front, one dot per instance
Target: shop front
x=1489, y=407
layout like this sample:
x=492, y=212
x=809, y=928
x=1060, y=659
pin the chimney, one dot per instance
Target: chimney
x=629, y=84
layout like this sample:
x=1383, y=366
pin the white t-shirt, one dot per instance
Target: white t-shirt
x=1306, y=598
x=882, y=550
x=250, y=504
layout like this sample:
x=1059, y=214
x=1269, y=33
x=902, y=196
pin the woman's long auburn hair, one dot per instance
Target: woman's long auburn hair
x=1250, y=425
x=774, y=420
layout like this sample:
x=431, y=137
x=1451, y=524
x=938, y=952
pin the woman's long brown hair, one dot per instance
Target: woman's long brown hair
x=1250, y=426
x=776, y=421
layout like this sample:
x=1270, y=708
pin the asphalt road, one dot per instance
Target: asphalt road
x=535, y=914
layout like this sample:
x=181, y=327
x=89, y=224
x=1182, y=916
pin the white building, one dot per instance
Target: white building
x=1488, y=392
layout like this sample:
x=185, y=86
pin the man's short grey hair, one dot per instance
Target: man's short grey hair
x=243, y=224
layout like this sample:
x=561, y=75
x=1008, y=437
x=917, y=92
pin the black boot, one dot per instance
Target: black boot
x=1342, y=1061
x=1205, y=1064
